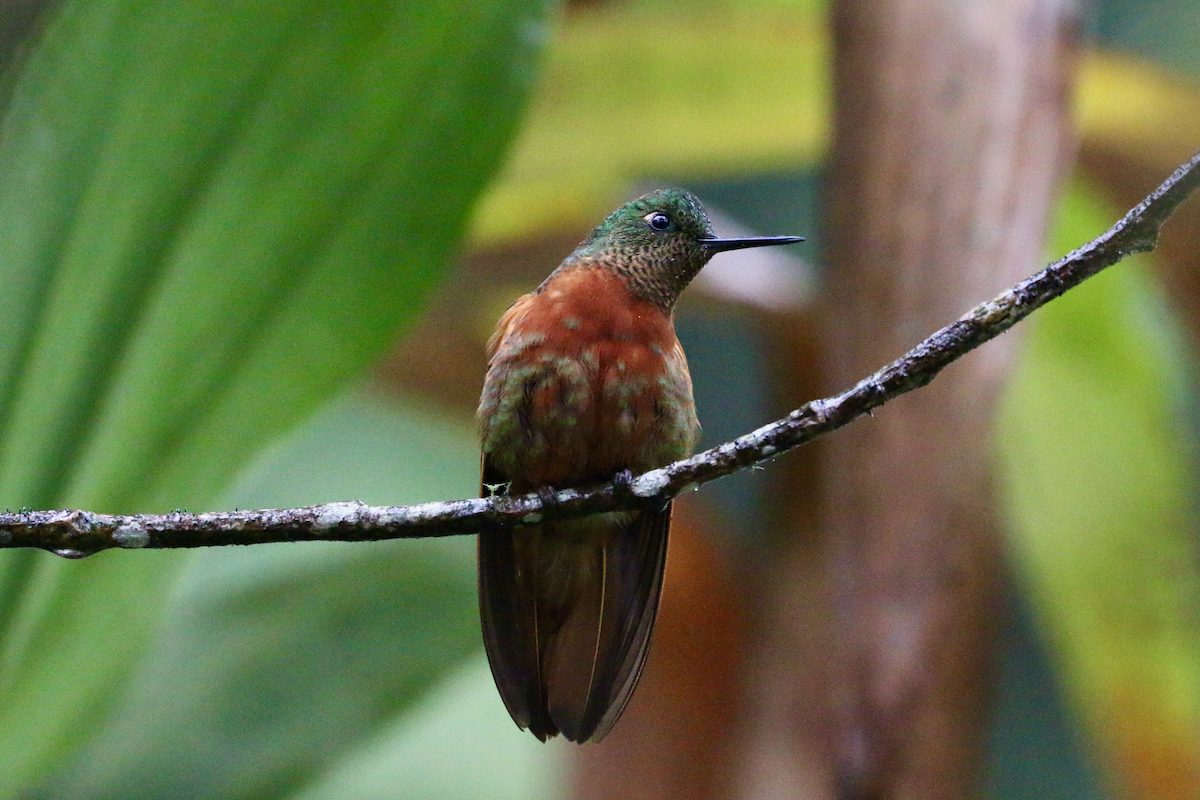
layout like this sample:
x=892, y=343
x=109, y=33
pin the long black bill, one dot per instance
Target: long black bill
x=721, y=245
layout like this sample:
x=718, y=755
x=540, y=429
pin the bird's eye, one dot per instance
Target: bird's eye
x=659, y=221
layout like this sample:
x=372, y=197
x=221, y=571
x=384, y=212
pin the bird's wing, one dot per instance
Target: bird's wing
x=510, y=318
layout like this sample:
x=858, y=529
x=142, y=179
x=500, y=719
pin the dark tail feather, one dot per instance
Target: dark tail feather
x=640, y=564
x=508, y=617
x=568, y=611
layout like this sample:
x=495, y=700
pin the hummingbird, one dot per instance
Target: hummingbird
x=587, y=383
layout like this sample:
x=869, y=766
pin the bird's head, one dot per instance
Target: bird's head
x=659, y=242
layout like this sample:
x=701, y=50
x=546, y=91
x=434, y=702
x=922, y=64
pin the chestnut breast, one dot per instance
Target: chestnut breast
x=584, y=380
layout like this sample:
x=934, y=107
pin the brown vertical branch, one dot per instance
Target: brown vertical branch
x=951, y=136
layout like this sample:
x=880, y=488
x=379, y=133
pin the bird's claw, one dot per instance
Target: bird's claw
x=548, y=495
x=496, y=489
x=623, y=484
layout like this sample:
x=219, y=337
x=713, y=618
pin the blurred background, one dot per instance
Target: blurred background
x=251, y=253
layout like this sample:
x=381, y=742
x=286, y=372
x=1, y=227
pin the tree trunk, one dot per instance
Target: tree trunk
x=951, y=135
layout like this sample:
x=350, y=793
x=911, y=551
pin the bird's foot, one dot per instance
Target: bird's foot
x=496, y=489
x=548, y=495
x=623, y=484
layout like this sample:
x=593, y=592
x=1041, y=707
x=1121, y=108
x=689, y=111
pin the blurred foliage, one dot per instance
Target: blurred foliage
x=1163, y=31
x=280, y=664
x=1137, y=109
x=212, y=215
x=1037, y=749
x=642, y=88
x=1100, y=492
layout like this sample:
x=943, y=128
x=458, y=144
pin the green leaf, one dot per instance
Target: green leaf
x=212, y=214
x=278, y=661
x=215, y=213
x=1096, y=467
x=70, y=634
x=457, y=744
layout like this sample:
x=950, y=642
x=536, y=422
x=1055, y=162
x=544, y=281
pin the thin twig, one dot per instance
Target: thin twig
x=76, y=534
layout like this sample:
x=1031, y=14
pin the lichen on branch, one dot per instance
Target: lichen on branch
x=75, y=534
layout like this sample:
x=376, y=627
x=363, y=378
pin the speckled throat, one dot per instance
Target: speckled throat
x=657, y=275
